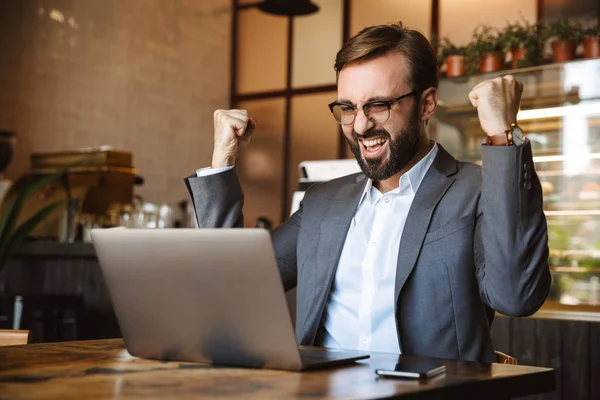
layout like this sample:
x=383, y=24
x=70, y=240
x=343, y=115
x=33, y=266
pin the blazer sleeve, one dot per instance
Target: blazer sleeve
x=218, y=200
x=511, y=237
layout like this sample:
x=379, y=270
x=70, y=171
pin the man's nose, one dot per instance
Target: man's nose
x=362, y=123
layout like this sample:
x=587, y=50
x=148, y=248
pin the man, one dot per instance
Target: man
x=412, y=254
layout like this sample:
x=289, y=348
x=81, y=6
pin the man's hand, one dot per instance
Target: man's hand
x=497, y=101
x=233, y=130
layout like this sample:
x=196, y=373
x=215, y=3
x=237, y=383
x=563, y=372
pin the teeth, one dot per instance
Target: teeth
x=373, y=142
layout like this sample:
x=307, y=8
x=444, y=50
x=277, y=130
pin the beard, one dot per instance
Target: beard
x=402, y=149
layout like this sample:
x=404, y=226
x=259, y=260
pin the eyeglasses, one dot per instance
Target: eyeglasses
x=377, y=111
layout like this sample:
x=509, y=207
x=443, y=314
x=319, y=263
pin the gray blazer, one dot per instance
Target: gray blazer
x=475, y=239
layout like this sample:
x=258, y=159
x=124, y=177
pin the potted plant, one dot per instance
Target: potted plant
x=485, y=53
x=453, y=56
x=524, y=42
x=565, y=34
x=590, y=38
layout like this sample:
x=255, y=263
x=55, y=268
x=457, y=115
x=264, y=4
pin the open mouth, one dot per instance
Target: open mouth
x=373, y=147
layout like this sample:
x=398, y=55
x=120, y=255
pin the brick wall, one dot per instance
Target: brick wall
x=140, y=75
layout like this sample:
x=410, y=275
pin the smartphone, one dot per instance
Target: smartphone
x=416, y=369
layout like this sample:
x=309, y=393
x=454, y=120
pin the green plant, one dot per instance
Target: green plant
x=446, y=48
x=10, y=234
x=522, y=34
x=565, y=30
x=485, y=40
x=593, y=29
x=527, y=36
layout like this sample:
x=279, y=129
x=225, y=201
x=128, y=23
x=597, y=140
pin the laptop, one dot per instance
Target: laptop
x=204, y=295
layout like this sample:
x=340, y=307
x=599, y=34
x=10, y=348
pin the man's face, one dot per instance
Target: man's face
x=382, y=150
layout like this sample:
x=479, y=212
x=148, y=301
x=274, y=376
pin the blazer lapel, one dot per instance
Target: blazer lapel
x=435, y=183
x=331, y=237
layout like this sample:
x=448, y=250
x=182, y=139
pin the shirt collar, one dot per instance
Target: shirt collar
x=411, y=179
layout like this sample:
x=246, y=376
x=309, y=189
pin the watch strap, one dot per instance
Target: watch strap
x=502, y=139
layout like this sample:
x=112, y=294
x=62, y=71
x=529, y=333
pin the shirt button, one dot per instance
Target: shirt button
x=365, y=341
x=373, y=243
x=386, y=200
x=527, y=175
x=525, y=166
x=528, y=185
x=369, y=290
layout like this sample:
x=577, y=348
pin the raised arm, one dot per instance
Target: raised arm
x=216, y=192
x=217, y=195
x=511, y=240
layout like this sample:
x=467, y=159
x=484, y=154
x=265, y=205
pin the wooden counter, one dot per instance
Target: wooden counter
x=103, y=369
x=558, y=311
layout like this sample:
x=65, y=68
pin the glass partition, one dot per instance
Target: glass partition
x=260, y=166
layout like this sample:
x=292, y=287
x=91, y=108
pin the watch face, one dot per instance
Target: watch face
x=517, y=136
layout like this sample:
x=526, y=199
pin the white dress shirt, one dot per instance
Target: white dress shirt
x=211, y=171
x=360, y=311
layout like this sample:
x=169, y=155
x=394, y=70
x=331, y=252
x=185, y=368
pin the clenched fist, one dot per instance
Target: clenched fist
x=497, y=101
x=233, y=130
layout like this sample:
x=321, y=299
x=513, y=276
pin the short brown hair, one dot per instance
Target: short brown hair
x=376, y=41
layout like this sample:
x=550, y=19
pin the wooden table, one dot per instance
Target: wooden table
x=102, y=369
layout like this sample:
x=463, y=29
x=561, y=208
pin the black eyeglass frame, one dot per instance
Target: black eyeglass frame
x=367, y=105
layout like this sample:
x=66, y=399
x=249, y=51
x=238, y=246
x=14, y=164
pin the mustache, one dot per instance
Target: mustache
x=371, y=133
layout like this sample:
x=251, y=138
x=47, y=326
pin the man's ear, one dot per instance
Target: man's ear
x=429, y=100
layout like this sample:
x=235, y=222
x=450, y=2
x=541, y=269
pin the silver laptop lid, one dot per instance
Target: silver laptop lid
x=207, y=295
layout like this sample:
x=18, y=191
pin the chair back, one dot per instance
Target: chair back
x=11, y=337
x=503, y=358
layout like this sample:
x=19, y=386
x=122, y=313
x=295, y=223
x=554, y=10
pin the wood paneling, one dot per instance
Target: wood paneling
x=501, y=335
x=575, y=383
x=572, y=348
x=594, y=372
x=548, y=350
x=523, y=349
